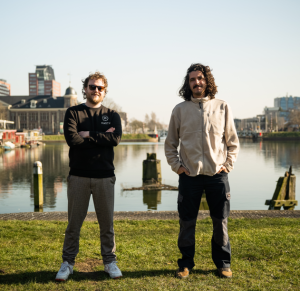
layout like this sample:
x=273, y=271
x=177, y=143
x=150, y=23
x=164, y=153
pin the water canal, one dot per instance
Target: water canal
x=252, y=182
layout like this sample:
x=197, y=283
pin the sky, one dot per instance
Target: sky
x=145, y=47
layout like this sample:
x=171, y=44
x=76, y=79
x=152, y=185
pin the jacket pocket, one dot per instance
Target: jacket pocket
x=217, y=145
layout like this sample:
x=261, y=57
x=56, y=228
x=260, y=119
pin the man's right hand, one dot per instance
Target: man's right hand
x=183, y=170
x=112, y=129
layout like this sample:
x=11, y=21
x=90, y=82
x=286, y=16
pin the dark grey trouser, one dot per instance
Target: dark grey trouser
x=79, y=192
x=217, y=195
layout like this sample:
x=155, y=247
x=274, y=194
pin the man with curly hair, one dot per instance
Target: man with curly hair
x=91, y=131
x=203, y=127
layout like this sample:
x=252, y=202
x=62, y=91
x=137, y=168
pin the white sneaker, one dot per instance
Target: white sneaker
x=65, y=270
x=113, y=270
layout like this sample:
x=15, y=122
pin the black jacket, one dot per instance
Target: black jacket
x=92, y=157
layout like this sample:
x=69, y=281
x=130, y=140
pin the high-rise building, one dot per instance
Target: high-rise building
x=287, y=103
x=42, y=82
x=4, y=88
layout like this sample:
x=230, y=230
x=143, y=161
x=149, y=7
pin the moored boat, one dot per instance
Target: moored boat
x=8, y=146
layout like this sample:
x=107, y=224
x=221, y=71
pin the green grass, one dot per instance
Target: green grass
x=282, y=134
x=265, y=256
x=136, y=136
x=54, y=137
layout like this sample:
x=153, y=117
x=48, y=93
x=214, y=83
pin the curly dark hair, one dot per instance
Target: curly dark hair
x=95, y=76
x=211, y=89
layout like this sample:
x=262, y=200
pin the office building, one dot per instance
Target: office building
x=4, y=88
x=45, y=111
x=42, y=82
x=287, y=103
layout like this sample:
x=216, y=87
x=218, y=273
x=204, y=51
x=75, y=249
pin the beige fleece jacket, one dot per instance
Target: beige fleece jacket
x=205, y=131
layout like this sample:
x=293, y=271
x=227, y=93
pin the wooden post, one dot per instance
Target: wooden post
x=285, y=193
x=38, y=184
x=151, y=170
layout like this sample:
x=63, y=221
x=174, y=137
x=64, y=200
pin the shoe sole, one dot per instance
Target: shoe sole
x=181, y=277
x=226, y=277
x=60, y=280
x=113, y=277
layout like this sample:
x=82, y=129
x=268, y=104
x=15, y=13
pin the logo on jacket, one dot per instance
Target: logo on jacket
x=104, y=117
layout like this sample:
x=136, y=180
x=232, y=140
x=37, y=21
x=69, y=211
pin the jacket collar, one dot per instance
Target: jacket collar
x=198, y=100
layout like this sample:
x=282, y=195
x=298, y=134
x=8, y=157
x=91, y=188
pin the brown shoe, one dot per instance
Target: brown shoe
x=225, y=272
x=182, y=273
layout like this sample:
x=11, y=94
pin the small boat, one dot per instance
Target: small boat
x=32, y=143
x=163, y=136
x=8, y=146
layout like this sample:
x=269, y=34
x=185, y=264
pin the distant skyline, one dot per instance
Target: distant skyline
x=145, y=48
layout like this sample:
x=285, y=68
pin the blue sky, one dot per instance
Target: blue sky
x=145, y=47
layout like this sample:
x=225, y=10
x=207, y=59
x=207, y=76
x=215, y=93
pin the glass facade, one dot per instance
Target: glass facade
x=41, y=90
x=287, y=103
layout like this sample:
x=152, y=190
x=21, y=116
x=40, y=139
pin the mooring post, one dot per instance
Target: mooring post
x=151, y=170
x=38, y=184
x=285, y=193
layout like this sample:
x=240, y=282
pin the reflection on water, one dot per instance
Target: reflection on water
x=252, y=181
x=151, y=199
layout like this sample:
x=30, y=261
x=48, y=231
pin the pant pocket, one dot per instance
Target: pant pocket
x=113, y=179
x=179, y=198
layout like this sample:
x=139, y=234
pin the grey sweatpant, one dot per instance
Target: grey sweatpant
x=79, y=192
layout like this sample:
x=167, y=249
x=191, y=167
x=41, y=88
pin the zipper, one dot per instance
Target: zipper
x=200, y=104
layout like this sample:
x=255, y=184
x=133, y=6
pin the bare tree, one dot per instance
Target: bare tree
x=147, y=119
x=294, y=114
x=153, y=117
x=3, y=111
x=136, y=124
x=110, y=103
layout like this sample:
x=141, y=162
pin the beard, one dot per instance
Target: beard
x=94, y=99
x=200, y=93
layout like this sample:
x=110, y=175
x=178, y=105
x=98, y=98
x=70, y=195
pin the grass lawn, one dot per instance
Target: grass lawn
x=136, y=136
x=266, y=256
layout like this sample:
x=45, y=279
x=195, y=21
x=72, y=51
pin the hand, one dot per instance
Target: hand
x=223, y=168
x=183, y=170
x=84, y=134
x=112, y=129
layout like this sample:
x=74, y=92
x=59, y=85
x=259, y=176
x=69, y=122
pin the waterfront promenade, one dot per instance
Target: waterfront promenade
x=147, y=215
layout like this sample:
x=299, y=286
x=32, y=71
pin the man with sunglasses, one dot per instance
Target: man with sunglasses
x=91, y=131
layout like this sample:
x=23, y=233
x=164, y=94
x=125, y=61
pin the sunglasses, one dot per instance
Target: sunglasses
x=93, y=88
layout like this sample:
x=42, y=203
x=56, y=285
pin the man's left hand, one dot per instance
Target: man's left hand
x=223, y=168
x=84, y=134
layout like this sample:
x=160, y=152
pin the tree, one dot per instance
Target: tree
x=153, y=122
x=3, y=111
x=110, y=103
x=136, y=124
x=147, y=119
x=153, y=116
x=294, y=114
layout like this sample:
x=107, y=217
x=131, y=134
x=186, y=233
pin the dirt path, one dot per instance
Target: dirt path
x=146, y=215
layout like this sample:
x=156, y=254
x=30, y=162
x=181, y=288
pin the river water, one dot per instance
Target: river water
x=253, y=180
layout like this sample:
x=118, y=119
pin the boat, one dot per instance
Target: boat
x=163, y=136
x=8, y=146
